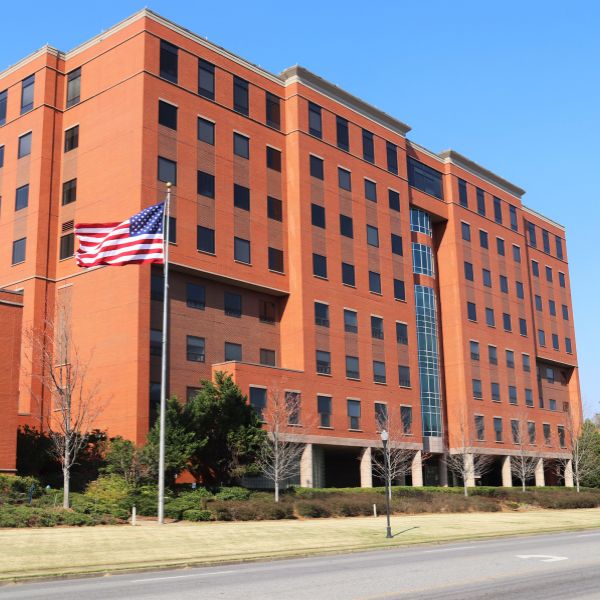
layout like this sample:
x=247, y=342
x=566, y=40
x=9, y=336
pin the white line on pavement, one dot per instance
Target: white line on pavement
x=181, y=576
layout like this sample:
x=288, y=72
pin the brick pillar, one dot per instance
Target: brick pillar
x=506, y=472
x=366, y=468
x=469, y=470
x=417, y=470
x=539, y=473
x=306, y=467
x=569, y=473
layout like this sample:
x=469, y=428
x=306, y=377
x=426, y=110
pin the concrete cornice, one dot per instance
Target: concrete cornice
x=298, y=74
x=43, y=50
x=453, y=157
x=543, y=218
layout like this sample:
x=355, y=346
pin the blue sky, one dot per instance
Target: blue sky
x=512, y=85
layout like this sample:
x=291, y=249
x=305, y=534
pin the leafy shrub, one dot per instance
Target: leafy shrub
x=313, y=509
x=198, y=515
x=233, y=493
x=14, y=488
x=77, y=519
x=194, y=500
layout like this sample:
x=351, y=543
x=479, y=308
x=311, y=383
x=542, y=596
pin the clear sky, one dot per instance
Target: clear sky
x=513, y=85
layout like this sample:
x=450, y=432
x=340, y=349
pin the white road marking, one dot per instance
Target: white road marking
x=181, y=576
x=543, y=557
x=584, y=535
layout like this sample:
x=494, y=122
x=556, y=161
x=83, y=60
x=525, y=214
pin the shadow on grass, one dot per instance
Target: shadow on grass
x=401, y=532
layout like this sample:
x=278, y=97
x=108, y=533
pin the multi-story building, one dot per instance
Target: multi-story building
x=315, y=250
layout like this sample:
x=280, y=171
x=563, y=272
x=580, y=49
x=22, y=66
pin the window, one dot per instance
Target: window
x=483, y=239
x=425, y=178
x=344, y=179
x=422, y=259
x=370, y=190
x=397, y=244
x=394, y=200
x=552, y=307
x=555, y=345
x=465, y=229
x=354, y=414
x=195, y=348
x=561, y=279
x=401, y=333
x=523, y=327
x=167, y=114
x=510, y=359
x=206, y=184
x=404, y=376
x=24, y=145
x=531, y=235
x=376, y=327
x=497, y=210
x=71, y=138
x=232, y=304
x=368, y=146
x=156, y=288
x=22, y=197
x=241, y=145
x=552, y=404
x=547, y=434
x=541, y=337
x=314, y=120
x=546, y=241
x=495, y=389
x=480, y=202
x=317, y=215
x=266, y=311
x=241, y=196
x=474, y=346
x=374, y=282
x=535, y=268
x=487, y=278
x=549, y=274
x=206, y=131
x=516, y=253
x=205, y=239
x=69, y=192
x=526, y=363
x=241, y=250
x=324, y=410
x=506, y=322
x=27, y=86
x=3, y=102
x=233, y=351
x=565, y=312
x=559, y=248
x=561, y=436
x=490, y=319
x=348, y=277
x=273, y=159
x=343, y=138
x=406, y=419
x=462, y=193
x=538, y=303
x=399, y=290
x=316, y=167
x=379, y=372
x=275, y=260
x=498, y=429
x=155, y=342
x=519, y=290
x=323, y=362
x=191, y=392
x=319, y=265
x=515, y=428
x=420, y=221
x=258, y=401
x=273, y=111
x=350, y=321
x=67, y=246
x=513, y=217
x=549, y=374
x=352, y=368
x=167, y=170
x=468, y=271
x=168, y=61
x=274, y=209
x=321, y=314
x=500, y=246
x=471, y=311
x=195, y=296
x=1, y=156
x=206, y=79
x=479, y=428
x=528, y=397
x=240, y=96
x=477, y=391
x=493, y=355
x=568, y=346
x=372, y=236
x=346, y=228
x=391, y=152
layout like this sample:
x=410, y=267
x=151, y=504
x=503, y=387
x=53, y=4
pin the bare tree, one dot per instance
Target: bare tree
x=279, y=456
x=524, y=462
x=467, y=461
x=74, y=401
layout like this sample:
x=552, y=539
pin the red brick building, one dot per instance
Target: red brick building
x=315, y=249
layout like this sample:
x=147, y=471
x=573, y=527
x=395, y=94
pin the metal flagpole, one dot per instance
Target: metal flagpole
x=163, y=380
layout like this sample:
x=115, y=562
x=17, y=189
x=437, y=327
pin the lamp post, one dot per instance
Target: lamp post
x=384, y=439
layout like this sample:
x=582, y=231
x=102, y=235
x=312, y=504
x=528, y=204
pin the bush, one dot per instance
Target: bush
x=233, y=493
x=313, y=509
x=16, y=489
x=198, y=515
x=77, y=519
x=194, y=500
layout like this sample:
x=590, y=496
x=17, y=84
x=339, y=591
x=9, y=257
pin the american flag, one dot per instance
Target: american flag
x=136, y=241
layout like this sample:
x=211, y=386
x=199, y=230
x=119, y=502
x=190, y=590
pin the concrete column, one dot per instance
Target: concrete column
x=469, y=470
x=569, y=473
x=506, y=472
x=417, y=470
x=366, y=469
x=443, y=472
x=539, y=473
x=306, y=467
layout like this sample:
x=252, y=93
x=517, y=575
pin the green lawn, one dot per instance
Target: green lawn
x=64, y=550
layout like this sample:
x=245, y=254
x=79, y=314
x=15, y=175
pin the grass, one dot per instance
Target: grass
x=30, y=553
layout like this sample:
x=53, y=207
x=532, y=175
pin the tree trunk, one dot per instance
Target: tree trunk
x=466, y=489
x=276, y=491
x=523, y=484
x=66, y=485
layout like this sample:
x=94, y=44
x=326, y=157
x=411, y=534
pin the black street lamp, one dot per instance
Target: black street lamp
x=384, y=439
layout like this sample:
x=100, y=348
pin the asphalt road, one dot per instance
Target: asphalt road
x=565, y=566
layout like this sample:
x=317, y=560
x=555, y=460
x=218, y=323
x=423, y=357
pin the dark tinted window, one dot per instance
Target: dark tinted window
x=397, y=244
x=241, y=196
x=167, y=114
x=425, y=178
x=462, y=193
x=273, y=159
x=346, y=227
x=72, y=138
x=273, y=111
x=344, y=179
x=374, y=282
x=399, y=290
x=348, y=276
x=195, y=296
x=497, y=210
x=392, y=157
x=232, y=304
x=22, y=197
x=73, y=87
x=233, y=351
x=241, y=145
x=480, y=202
x=69, y=191
x=24, y=148
x=513, y=217
x=276, y=260
x=343, y=138
x=206, y=79
x=27, y=87
x=471, y=311
x=274, y=209
x=240, y=96
x=168, y=61
x=18, y=251
x=316, y=167
x=319, y=265
x=394, y=200
x=317, y=215
x=206, y=131
x=206, y=239
x=206, y=184
x=3, y=102
x=167, y=170
x=368, y=146
x=241, y=250
x=67, y=245
x=370, y=190
x=314, y=120
x=469, y=271
x=402, y=333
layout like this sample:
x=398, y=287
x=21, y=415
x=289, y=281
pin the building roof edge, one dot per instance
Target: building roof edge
x=46, y=49
x=542, y=217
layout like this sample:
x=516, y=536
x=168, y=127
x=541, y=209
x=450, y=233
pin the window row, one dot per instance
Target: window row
x=482, y=204
x=484, y=242
x=492, y=355
x=490, y=319
x=323, y=367
x=522, y=433
x=532, y=240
